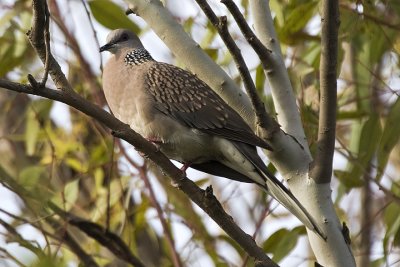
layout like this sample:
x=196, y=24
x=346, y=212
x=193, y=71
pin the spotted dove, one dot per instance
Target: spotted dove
x=187, y=120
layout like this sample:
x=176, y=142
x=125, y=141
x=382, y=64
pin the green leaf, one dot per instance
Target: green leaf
x=71, y=191
x=348, y=179
x=188, y=24
x=392, y=222
x=350, y=115
x=276, y=7
x=31, y=132
x=42, y=107
x=390, y=137
x=282, y=242
x=111, y=15
x=30, y=176
x=260, y=79
x=212, y=53
x=35, y=179
x=364, y=143
x=209, y=36
x=202, y=182
x=76, y=164
x=369, y=139
x=378, y=262
x=299, y=17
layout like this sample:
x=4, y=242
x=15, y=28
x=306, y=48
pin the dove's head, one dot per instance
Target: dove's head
x=121, y=39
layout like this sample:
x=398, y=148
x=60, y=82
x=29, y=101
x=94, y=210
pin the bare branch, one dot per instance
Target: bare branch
x=275, y=70
x=105, y=237
x=386, y=20
x=262, y=117
x=47, y=42
x=107, y=182
x=12, y=257
x=87, y=73
x=281, y=88
x=69, y=240
x=321, y=167
x=93, y=30
x=37, y=39
x=143, y=175
x=65, y=237
x=263, y=53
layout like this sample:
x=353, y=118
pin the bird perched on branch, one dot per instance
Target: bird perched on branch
x=186, y=119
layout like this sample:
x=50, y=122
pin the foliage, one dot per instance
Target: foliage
x=76, y=165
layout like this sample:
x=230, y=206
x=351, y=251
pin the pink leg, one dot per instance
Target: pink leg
x=155, y=142
x=185, y=166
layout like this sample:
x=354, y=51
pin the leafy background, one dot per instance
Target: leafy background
x=50, y=153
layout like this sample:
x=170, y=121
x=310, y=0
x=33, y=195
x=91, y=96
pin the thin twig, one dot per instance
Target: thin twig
x=108, y=185
x=12, y=257
x=72, y=244
x=143, y=175
x=349, y=156
x=263, y=53
x=321, y=167
x=94, y=31
x=37, y=39
x=105, y=237
x=66, y=238
x=87, y=72
x=19, y=239
x=263, y=119
x=47, y=42
x=377, y=20
x=259, y=222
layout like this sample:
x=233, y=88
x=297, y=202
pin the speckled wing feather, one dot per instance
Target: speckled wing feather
x=187, y=99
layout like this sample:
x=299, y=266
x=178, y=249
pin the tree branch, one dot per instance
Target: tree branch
x=294, y=161
x=64, y=237
x=67, y=238
x=143, y=175
x=262, y=117
x=105, y=237
x=47, y=42
x=321, y=167
x=263, y=52
x=37, y=39
x=87, y=72
x=281, y=88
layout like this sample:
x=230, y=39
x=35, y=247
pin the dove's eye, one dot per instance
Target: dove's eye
x=124, y=37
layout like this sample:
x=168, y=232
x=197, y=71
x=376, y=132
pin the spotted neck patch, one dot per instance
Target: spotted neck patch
x=137, y=57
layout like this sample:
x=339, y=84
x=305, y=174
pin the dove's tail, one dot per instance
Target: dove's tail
x=279, y=192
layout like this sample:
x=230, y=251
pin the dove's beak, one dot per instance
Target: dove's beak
x=106, y=47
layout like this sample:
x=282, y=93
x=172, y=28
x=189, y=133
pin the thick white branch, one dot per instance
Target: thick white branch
x=293, y=163
x=281, y=88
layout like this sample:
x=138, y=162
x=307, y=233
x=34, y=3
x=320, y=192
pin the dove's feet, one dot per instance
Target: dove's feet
x=185, y=166
x=156, y=142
